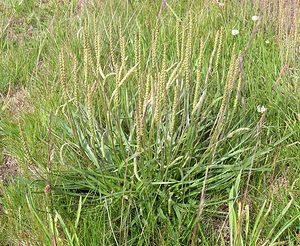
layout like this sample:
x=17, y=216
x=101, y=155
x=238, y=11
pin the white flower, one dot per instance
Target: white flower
x=267, y=41
x=255, y=18
x=235, y=32
x=261, y=109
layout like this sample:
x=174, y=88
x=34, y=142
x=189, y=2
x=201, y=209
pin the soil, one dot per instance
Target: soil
x=17, y=102
x=8, y=169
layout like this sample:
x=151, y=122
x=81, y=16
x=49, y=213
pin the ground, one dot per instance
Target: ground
x=149, y=122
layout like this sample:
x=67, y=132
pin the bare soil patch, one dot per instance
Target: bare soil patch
x=8, y=169
x=16, y=102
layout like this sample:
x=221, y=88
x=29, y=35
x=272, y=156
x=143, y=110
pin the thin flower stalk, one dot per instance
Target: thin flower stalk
x=97, y=51
x=175, y=105
x=122, y=46
x=219, y=51
x=177, y=40
x=163, y=81
x=154, y=45
x=62, y=70
x=75, y=80
x=198, y=76
x=87, y=60
x=188, y=54
x=111, y=47
x=158, y=102
x=117, y=87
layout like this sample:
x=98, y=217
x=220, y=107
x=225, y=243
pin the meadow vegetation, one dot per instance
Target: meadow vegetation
x=149, y=122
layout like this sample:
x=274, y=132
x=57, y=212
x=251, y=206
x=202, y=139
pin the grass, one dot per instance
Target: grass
x=149, y=123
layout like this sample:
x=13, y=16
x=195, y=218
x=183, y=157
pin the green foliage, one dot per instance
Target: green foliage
x=132, y=137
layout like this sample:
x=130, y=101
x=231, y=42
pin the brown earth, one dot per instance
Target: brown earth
x=8, y=169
